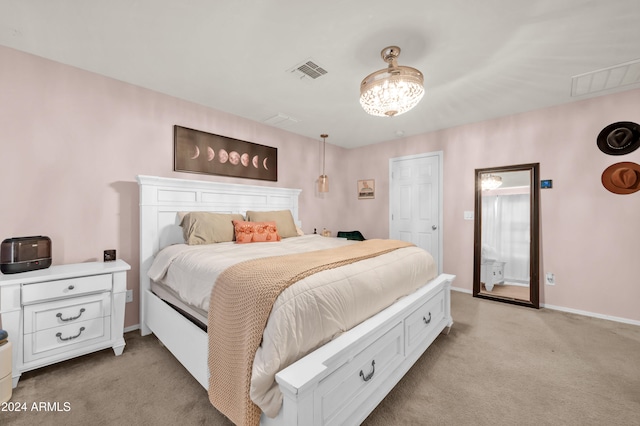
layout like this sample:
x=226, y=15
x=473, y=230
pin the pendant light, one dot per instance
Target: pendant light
x=393, y=90
x=323, y=180
x=490, y=182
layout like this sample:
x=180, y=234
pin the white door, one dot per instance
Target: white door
x=414, y=202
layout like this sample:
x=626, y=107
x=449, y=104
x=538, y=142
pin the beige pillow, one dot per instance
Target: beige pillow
x=283, y=219
x=208, y=228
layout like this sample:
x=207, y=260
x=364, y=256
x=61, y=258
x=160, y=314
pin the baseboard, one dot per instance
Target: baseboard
x=570, y=310
x=591, y=314
x=132, y=328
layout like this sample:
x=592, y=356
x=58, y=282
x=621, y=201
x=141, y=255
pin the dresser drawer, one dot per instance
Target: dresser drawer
x=32, y=293
x=66, y=338
x=423, y=322
x=43, y=316
x=344, y=390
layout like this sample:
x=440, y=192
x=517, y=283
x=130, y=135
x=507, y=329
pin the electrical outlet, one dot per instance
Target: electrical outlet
x=550, y=278
x=129, y=296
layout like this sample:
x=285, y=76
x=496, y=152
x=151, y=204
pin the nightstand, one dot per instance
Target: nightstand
x=62, y=312
x=492, y=273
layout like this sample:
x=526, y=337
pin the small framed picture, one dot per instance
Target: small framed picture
x=366, y=189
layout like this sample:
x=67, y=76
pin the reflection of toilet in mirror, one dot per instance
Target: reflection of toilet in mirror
x=491, y=269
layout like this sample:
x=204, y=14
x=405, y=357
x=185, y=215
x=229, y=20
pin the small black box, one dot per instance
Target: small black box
x=109, y=255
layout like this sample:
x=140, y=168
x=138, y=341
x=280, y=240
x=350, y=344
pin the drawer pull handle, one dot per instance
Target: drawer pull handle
x=427, y=321
x=71, y=287
x=59, y=315
x=59, y=335
x=370, y=375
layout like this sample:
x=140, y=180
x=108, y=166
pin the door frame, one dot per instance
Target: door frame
x=439, y=155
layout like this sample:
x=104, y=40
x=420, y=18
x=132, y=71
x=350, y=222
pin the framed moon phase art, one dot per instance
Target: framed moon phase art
x=200, y=152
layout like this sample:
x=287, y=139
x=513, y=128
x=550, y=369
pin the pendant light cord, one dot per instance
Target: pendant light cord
x=324, y=151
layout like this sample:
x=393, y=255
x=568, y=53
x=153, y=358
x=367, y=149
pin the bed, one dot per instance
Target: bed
x=339, y=382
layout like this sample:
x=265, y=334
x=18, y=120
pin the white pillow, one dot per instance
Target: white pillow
x=488, y=253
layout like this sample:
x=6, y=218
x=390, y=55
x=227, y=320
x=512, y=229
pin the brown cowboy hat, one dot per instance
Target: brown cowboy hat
x=622, y=178
x=619, y=138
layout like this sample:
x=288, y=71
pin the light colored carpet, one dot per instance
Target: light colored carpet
x=501, y=365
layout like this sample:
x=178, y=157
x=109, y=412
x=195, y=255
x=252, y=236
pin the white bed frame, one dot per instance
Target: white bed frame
x=339, y=383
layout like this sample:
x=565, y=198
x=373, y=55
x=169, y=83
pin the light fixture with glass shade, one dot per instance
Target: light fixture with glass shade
x=490, y=181
x=391, y=91
x=323, y=180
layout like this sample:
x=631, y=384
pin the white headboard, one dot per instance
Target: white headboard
x=162, y=198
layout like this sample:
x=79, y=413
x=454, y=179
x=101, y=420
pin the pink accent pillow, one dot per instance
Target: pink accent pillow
x=254, y=232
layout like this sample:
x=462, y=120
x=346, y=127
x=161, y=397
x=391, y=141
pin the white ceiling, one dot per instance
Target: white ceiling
x=481, y=59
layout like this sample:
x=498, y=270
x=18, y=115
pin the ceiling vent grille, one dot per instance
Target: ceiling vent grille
x=281, y=120
x=309, y=69
x=606, y=79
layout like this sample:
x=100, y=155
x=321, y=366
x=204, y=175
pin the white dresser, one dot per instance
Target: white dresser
x=62, y=312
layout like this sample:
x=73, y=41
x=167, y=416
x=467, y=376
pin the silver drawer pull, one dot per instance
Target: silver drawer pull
x=59, y=335
x=370, y=375
x=59, y=315
x=71, y=287
x=427, y=321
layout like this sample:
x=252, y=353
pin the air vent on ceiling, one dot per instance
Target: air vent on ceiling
x=281, y=120
x=606, y=79
x=308, y=69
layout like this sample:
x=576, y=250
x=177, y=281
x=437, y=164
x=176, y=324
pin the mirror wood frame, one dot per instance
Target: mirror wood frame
x=534, y=279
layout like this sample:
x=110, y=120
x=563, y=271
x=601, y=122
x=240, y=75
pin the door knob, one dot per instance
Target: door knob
x=434, y=227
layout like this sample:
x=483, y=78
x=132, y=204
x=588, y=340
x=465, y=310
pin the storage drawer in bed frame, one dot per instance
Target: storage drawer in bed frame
x=354, y=372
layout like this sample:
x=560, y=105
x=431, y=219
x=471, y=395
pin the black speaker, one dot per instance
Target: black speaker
x=23, y=254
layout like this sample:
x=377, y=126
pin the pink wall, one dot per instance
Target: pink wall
x=72, y=143
x=589, y=236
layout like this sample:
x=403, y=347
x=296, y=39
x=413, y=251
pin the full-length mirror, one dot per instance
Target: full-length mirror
x=506, y=234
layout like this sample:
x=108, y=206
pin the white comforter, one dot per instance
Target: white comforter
x=307, y=314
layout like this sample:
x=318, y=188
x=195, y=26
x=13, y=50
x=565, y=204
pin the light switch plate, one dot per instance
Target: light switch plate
x=468, y=215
